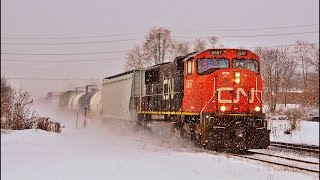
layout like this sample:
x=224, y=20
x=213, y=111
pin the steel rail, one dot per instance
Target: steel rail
x=287, y=158
x=297, y=147
x=276, y=163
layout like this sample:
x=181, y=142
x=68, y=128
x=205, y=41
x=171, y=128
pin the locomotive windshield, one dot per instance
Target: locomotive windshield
x=250, y=64
x=205, y=65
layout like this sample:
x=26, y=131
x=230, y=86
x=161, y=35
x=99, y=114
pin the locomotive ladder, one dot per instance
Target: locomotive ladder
x=202, y=121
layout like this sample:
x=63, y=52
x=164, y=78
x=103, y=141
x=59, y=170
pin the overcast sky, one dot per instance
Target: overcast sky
x=95, y=34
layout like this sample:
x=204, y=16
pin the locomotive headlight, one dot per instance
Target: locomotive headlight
x=257, y=108
x=223, y=108
x=237, y=74
x=237, y=80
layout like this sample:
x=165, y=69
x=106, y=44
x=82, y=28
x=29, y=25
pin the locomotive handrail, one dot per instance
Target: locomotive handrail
x=214, y=93
x=257, y=90
x=159, y=94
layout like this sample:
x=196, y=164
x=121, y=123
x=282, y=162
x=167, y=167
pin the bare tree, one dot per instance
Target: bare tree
x=180, y=48
x=267, y=65
x=314, y=57
x=6, y=97
x=199, y=45
x=273, y=67
x=314, y=79
x=311, y=95
x=289, y=65
x=136, y=59
x=157, y=44
x=213, y=40
x=302, y=50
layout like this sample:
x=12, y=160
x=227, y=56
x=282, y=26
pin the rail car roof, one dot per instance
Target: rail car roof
x=178, y=57
x=157, y=65
x=124, y=73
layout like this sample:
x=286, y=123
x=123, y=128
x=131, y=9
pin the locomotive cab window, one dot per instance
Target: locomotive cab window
x=209, y=65
x=189, y=68
x=249, y=64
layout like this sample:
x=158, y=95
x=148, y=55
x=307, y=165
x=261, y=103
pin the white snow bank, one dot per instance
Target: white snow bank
x=306, y=133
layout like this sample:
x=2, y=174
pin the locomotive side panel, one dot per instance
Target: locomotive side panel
x=164, y=88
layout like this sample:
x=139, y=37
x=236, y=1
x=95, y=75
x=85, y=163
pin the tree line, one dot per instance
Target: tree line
x=159, y=45
x=287, y=68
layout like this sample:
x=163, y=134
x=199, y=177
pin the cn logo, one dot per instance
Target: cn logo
x=168, y=89
x=238, y=92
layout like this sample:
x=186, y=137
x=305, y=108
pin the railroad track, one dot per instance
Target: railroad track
x=296, y=147
x=287, y=162
x=281, y=161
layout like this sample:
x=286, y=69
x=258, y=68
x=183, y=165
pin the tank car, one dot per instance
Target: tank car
x=64, y=99
x=95, y=105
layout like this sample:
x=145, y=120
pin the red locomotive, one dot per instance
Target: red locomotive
x=214, y=97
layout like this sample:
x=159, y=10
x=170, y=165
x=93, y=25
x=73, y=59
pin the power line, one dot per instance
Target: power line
x=265, y=28
x=74, y=37
x=60, y=61
x=258, y=35
x=64, y=54
x=108, y=60
x=51, y=79
x=72, y=43
x=61, y=54
x=141, y=33
x=123, y=40
x=280, y=45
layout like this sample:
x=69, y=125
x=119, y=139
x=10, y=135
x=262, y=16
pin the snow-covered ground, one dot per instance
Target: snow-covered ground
x=306, y=133
x=113, y=150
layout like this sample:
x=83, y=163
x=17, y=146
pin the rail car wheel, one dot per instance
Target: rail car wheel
x=213, y=140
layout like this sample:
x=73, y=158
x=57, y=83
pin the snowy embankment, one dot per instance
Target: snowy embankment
x=112, y=150
x=306, y=133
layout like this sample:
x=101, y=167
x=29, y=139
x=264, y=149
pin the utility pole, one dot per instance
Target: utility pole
x=159, y=36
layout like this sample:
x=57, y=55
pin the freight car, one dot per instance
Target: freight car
x=81, y=99
x=122, y=93
x=213, y=97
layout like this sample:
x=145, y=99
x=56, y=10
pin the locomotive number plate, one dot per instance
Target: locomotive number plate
x=241, y=53
x=216, y=52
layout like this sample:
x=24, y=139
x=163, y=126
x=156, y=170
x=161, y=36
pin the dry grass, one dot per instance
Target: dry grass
x=294, y=116
x=16, y=114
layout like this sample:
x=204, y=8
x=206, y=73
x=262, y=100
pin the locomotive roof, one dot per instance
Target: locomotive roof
x=196, y=53
x=190, y=55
